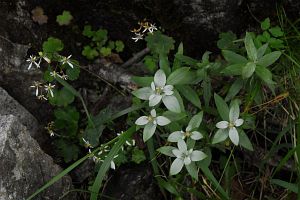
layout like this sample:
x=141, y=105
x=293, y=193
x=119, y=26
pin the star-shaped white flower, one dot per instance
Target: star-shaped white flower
x=137, y=37
x=150, y=27
x=184, y=157
x=228, y=128
x=66, y=60
x=159, y=91
x=49, y=89
x=33, y=60
x=37, y=85
x=150, y=122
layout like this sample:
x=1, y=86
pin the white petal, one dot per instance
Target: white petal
x=153, y=113
x=154, y=100
x=142, y=121
x=234, y=135
x=162, y=121
x=171, y=103
x=220, y=136
x=30, y=65
x=196, y=135
x=168, y=90
x=70, y=64
x=176, y=166
x=160, y=78
x=238, y=122
x=112, y=165
x=187, y=160
x=148, y=132
x=182, y=146
x=175, y=136
x=222, y=124
x=153, y=86
x=198, y=155
x=143, y=93
x=234, y=112
x=177, y=153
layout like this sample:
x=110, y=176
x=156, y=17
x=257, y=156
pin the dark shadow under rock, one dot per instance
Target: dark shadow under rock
x=133, y=182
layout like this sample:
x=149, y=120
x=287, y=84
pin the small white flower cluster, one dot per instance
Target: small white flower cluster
x=48, y=88
x=50, y=128
x=102, y=154
x=39, y=90
x=144, y=27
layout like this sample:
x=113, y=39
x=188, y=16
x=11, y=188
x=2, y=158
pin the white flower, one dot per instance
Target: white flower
x=159, y=91
x=37, y=85
x=41, y=97
x=55, y=74
x=112, y=163
x=150, y=123
x=181, y=135
x=66, y=60
x=87, y=143
x=184, y=157
x=64, y=77
x=49, y=89
x=190, y=130
x=32, y=60
x=151, y=28
x=137, y=37
x=228, y=128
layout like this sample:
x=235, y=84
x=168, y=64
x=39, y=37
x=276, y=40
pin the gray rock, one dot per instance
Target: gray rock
x=9, y=105
x=24, y=166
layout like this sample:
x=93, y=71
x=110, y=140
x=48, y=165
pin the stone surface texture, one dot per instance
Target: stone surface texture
x=24, y=166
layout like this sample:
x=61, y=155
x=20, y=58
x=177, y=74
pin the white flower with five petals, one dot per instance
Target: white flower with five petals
x=184, y=157
x=159, y=91
x=33, y=60
x=150, y=122
x=228, y=128
x=66, y=60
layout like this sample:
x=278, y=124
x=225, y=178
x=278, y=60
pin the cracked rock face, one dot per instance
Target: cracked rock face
x=24, y=166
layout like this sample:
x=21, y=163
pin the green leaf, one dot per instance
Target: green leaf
x=138, y=156
x=150, y=63
x=171, y=103
x=111, y=44
x=196, y=121
x=52, y=45
x=222, y=107
x=265, y=25
x=142, y=81
x=65, y=18
x=186, y=59
x=235, y=69
x=234, y=89
x=166, y=150
x=190, y=94
x=276, y=31
x=261, y=51
x=67, y=150
x=192, y=170
x=264, y=74
x=233, y=57
x=73, y=73
x=105, y=51
x=62, y=97
x=89, y=53
x=220, y=136
x=290, y=186
x=159, y=43
x=47, y=76
x=226, y=41
x=100, y=36
x=164, y=64
x=207, y=91
x=248, y=70
x=87, y=31
x=181, y=76
x=106, y=163
x=244, y=141
x=119, y=46
x=168, y=186
x=172, y=116
x=269, y=59
x=250, y=47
